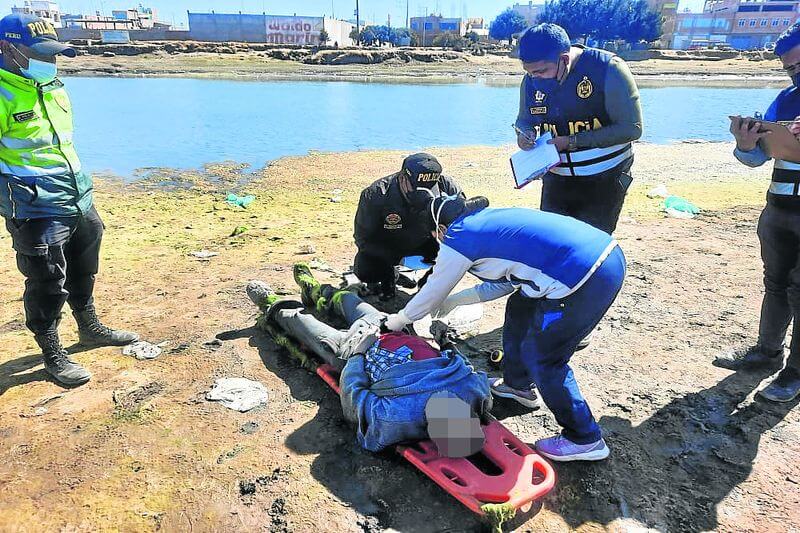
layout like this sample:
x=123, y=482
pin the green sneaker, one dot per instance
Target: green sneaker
x=310, y=292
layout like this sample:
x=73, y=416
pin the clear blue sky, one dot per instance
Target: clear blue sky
x=372, y=10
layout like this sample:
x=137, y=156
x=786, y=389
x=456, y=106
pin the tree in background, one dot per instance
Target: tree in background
x=604, y=20
x=402, y=34
x=506, y=25
x=643, y=24
x=355, y=35
x=385, y=34
x=368, y=36
x=473, y=37
x=324, y=37
x=450, y=39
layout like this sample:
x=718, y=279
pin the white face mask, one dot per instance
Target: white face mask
x=41, y=72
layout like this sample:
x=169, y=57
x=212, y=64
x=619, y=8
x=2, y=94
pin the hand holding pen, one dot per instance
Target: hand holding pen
x=525, y=141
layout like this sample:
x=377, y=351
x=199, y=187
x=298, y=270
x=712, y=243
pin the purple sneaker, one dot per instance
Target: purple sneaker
x=529, y=398
x=560, y=448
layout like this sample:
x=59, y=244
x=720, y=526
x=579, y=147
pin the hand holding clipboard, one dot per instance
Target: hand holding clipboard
x=779, y=139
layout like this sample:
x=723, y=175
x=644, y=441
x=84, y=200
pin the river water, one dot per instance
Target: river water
x=128, y=123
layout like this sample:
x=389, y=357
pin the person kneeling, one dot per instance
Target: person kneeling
x=395, y=387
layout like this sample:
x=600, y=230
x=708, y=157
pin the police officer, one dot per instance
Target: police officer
x=45, y=198
x=587, y=99
x=388, y=226
x=779, y=234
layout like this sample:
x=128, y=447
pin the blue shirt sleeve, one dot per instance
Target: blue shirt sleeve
x=754, y=158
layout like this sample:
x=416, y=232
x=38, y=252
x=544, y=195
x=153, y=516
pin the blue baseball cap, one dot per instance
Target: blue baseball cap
x=36, y=33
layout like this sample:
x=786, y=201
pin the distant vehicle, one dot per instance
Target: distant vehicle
x=769, y=47
x=725, y=47
x=699, y=44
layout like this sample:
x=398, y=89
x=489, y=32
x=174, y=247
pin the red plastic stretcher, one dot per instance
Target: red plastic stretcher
x=509, y=471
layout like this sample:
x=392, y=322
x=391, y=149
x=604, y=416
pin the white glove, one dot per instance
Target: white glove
x=397, y=321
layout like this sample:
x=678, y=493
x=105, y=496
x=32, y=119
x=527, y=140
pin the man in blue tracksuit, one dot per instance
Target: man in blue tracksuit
x=562, y=274
x=779, y=234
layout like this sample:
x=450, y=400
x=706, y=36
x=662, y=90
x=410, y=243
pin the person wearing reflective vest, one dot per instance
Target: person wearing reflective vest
x=45, y=197
x=588, y=100
x=779, y=234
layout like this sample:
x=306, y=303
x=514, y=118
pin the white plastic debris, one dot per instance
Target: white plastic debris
x=322, y=266
x=307, y=249
x=466, y=319
x=674, y=213
x=142, y=350
x=204, y=255
x=239, y=394
x=658, y=192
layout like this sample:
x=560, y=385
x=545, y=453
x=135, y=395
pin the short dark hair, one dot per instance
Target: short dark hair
x=543, y=42
x=788, y=39
x=450, y=209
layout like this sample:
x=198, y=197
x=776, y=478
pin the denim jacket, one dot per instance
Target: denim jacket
x=392, y=410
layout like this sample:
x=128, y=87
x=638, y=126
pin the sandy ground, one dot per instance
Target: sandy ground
x=139, y=448
x=494, y=69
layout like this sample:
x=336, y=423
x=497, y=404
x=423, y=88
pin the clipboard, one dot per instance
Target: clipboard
x=530, y=165
x=782, y=143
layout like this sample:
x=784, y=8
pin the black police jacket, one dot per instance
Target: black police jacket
x=387, y=225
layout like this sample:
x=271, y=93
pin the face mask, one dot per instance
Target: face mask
x=548, y=85
x=40, y=71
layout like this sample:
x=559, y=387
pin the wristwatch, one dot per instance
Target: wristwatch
x=572, y=145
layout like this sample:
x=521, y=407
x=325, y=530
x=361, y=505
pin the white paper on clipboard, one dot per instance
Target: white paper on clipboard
x=529, y=165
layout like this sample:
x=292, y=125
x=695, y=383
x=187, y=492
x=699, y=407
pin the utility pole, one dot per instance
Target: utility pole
x=358, y=24
x=407, y=23
x=424, y=27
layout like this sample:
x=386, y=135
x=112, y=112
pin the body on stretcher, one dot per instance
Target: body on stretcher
x=509, y=473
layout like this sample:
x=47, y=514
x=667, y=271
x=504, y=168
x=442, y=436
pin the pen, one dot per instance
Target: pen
x=525, y=135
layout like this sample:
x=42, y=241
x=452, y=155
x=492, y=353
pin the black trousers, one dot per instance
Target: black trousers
x=59, y=258
x=597, y=201
x=379, y=268
x=779, y=233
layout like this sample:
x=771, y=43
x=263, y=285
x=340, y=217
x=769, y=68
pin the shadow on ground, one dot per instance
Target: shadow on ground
x=671, y=471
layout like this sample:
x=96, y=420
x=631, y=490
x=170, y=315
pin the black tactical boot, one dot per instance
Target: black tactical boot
x=751, y=358
x=92, y=333
x=58, y=364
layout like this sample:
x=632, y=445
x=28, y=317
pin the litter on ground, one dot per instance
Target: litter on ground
x=143, y=350
x=239, y=394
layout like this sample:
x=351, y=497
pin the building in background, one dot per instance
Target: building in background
x=740, y=24
x=530, y=11
x=140, y=18
x=42, y=9
x=479, y=26
x=668, y=9
x=428, y=28
x=287, y=30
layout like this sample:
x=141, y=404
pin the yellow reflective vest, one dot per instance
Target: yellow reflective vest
x=40, y=173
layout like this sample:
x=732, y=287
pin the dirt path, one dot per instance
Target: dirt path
x=139, y=449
